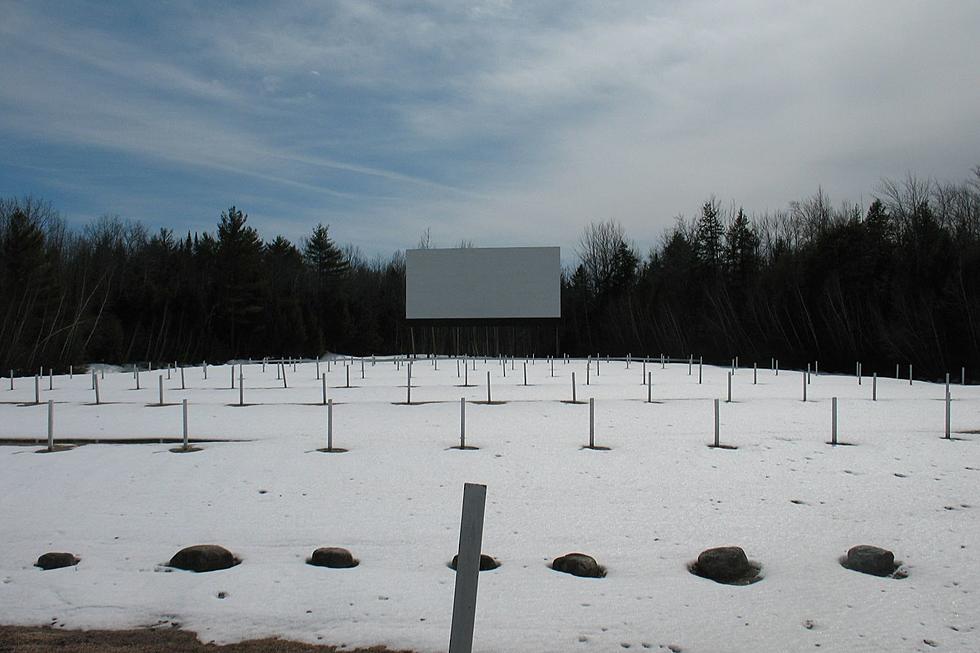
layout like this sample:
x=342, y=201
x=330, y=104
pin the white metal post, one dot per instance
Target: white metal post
x=591, y=422
x=467, y=568
x=717, y=423
x=462, y=422
x=51, y=425
x=184, y=412
x=833, y=421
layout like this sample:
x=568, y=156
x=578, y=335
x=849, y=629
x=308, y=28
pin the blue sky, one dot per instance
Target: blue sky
x=495, y=122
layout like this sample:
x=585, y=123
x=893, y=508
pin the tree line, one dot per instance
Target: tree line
x=897, y=281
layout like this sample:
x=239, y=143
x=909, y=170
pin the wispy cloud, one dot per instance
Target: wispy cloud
x=492, y=121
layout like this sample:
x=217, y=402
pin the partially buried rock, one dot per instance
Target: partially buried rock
x=870, y=560
x=725, y=564
x=486, y=562
x=333, y=557
x=204, y=557
x=56, y=560
x=579, y=564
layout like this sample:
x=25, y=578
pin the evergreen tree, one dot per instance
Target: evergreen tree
x=708, y=235
x=323, y=257
x=238, y=279
x=741, y=248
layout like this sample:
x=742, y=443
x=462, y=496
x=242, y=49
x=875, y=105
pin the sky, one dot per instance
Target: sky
x=493, y=122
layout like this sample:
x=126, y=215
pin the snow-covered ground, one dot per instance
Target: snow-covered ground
x=644, y=509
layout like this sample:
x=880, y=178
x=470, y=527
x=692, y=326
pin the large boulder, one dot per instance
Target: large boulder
x=486, y=562
x=333, y=557
x=204, y=557
x=579, y=564
x=57, y=560
x=870, y=560
x=726, y=564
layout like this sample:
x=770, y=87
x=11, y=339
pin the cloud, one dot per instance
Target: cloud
x=500, y=123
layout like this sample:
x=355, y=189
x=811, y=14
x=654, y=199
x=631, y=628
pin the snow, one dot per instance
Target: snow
x=644, y=509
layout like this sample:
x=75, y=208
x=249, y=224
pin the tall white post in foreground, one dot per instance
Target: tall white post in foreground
x=467, y=568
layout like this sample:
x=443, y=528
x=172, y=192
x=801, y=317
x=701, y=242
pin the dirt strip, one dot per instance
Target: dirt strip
x=38, y=639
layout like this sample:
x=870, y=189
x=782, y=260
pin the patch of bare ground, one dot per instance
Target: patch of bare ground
x=41, y=639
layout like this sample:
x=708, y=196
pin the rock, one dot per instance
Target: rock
x=334, y=557
x=486, y=562
x=56, y=560
x=870, y=560
x=204, y=557
x=723, y=564
x=579, y=564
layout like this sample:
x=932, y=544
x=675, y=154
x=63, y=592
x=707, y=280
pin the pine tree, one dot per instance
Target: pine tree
x=323, y=257
x=238, y=280
x=708, y=237
x=741, y=248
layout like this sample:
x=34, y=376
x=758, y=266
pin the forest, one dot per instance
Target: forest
x=893, y=282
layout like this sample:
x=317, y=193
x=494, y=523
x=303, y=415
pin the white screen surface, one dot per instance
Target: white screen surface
x=483, y=283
